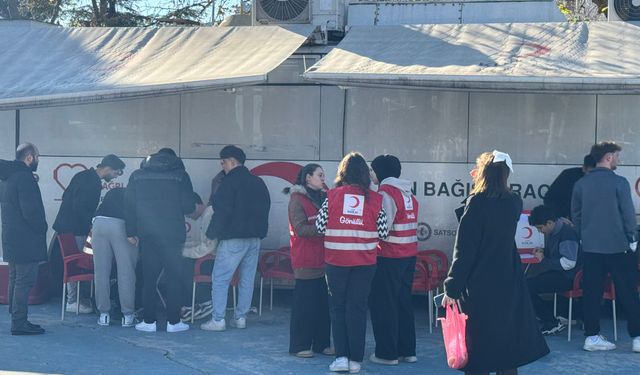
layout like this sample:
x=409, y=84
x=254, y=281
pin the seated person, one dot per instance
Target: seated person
x=558, y=264
x=196, y=246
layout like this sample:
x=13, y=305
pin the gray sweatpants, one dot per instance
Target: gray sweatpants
x=109, y=240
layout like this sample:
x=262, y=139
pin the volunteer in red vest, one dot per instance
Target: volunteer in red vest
x=352, y=220
x=310, y=329
x=390, y=299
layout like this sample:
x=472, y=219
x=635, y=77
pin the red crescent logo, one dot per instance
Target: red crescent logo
x=285, y=170
x=357, y=202
x=638, y=186
x=56, y=172
x=187, y=226
x=529, y=233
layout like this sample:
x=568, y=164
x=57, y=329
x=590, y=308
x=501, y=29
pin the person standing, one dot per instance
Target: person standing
x=24, y=230
x=79, y=202
x=352, y=220
x=390, y=301
x=310, y=327
x=157, y=197
x=604, y=217
x=486, y=277
x=109, y=242
x=558, y=196
x=240, y=220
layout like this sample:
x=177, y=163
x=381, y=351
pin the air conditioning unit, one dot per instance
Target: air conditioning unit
x=623, y=10
x=328, y=14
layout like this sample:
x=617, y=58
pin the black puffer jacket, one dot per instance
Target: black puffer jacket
x=157, y=197
x=240, y=207
x=24, y=226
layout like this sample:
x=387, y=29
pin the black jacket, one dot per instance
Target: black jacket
x=112, y=204
x=558, y=196
x=488, y=278
x=240, y=207
x=24, y=226
x=157, y=197
x=79, y=203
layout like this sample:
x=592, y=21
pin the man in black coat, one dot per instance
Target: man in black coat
x=558, y=196
x=79, y=202
x=240, y=220
x=158, y=196
x=24, y=230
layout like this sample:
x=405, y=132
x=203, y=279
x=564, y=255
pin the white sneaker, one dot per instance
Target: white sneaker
x=340, y=364
x=381, y=361
x=240, y=323
x=598, y=342
x=84, y=309
x=104, y=319
x=178, y=327
x=146, y=327
x=408, y=359
x=214, y=325
x=354, y=367
x=128, y=320
x=636, y=344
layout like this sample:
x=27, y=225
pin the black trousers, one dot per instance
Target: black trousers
x=623, y=268
x=392, y=309
x=548, y=282
x=158, y=254
x=348, y=294
x=310, y=326
x=22, y=277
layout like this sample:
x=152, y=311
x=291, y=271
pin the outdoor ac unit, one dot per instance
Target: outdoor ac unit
x=329, y=14
x=624, y=10
x=281, y=11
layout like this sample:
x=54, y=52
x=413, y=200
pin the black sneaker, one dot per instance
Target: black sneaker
x=551, y=328
x=26, y=329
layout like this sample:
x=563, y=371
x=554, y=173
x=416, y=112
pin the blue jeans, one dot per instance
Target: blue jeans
x=232, y=254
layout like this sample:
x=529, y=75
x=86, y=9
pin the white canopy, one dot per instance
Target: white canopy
x=584, y=57
x=54, y=65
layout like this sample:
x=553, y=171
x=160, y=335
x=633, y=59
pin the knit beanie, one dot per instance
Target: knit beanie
x=232, y=151
x=386, y=166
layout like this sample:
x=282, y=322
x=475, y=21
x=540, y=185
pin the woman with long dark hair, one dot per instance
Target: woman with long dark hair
x=486, y=276
x=352, y=220
x=310, y=328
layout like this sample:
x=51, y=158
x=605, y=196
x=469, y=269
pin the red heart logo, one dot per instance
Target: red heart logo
x=61, y=177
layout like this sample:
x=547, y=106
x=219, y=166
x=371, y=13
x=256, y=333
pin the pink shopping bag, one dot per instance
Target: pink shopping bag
x=453, y=332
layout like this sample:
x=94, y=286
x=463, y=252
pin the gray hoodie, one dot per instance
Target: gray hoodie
x=388, y=203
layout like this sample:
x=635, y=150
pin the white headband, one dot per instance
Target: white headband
x=502, y=156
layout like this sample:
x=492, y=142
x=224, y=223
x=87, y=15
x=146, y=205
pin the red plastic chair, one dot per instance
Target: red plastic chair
x=274, y=265
x=442, y=262
x=78, y=267
x=199, y=277
x=576, y=292
x=426, y=280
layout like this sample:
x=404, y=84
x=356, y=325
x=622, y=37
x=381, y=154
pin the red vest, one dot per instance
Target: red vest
x=351, y=238
x=402, y=241
x=306, y=252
